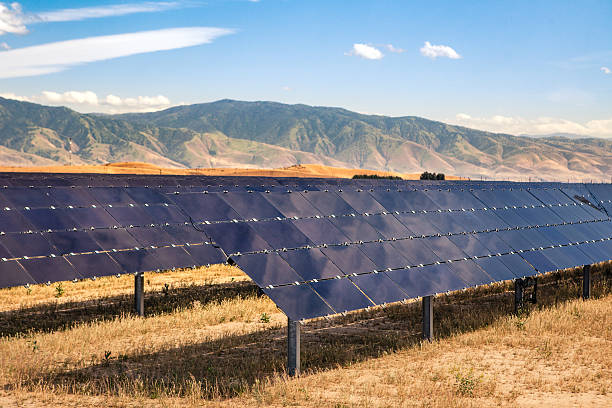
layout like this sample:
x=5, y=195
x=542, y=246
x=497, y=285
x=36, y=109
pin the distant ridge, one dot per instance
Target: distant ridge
x=231, y=133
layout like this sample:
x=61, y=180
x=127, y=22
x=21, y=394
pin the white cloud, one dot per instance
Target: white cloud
x=606, y=70
x=77, y=14
x=435, y=51
x=4, y=46
x=87, y=97
x=58, y=56
x=517, y=125
x=366, y=51
x=12, y=19
x=286, y=88
x=391, y=48
x=14, y=97
x=88, y=101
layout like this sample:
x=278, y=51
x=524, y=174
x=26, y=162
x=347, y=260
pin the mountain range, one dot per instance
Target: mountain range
x=231, y=133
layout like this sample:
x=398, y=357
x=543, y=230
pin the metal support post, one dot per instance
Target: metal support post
x=518, y=295
x=293, y=348
x=428, y=318
x=139, y=293
x=586, y=282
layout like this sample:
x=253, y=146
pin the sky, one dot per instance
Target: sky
x=520, y=67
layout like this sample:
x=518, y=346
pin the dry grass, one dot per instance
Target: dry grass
x=204, y=343
x=301, y=170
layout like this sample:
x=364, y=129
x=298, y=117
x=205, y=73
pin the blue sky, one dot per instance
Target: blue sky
x=515, y=66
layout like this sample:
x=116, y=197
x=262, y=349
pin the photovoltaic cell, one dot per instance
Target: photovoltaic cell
x=299, y=301
x=311, y=264
x=236, y=237
x=13, y=274
x=251, y=205
x=49, y=269
x=68, y=242
x=379, y=288
x=97, y=265
x=329, y=203
x=320, y=231
x=205, y=254
x=427, y=280
x=280, y=234
x=267, y=269
x=341, y=294
x=190, y=210
x=356, y=228
x=292, y=204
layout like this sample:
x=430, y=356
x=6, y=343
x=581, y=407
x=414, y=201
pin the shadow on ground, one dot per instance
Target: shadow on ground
x=61, y=316
x=236, y=363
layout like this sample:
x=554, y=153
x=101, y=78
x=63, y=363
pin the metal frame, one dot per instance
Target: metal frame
x=586, y=282
x=139, y=293
x=428, y=318
x=293, y=347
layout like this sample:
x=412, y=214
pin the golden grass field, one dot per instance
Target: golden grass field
x=302, y=170
x=210, y=339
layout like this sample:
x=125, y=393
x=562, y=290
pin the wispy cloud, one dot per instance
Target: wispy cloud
x=111, y=10
x=393, y=49
x=606, y=70
x=11, y=19
x=365, y=51
x=58, y=56
x=539, y=126
x=88, y=101
x=435, y=51
x=4, y=46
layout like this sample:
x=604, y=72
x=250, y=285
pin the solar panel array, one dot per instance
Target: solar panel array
x=315, y=246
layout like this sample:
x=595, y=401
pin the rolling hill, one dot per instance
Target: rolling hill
x=230, y=133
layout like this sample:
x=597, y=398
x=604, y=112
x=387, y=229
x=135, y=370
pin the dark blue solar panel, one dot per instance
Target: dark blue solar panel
x=205, y=207
x=49, y=269
x=29, y=197
x=320, y=231
x=292, y=205
x=384, y=255
x=92, y=217
x=349, y=259
x=428, y=280
x=132, y=261
x=416, y=251
x=68, y=242
x=111, y=196
x=13, y=274
x=236, y=237
x=362, y=202
x=267, y=269
x=20, y=245
x=311, y=264
x=379, y=288
x=94, y=265
x=280, y=234
x=113, y=239
x=205, y=254
x=251, y=205
x=46, y=219
x=13, y=221
x=356, y=228
x=341, y=294
x=329, y=203
x=299, y=301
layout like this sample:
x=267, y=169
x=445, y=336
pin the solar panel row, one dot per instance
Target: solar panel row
x=328, y=247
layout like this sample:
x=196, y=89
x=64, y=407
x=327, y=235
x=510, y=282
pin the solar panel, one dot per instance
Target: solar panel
x=328, y=246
